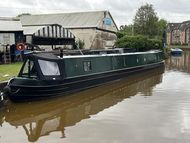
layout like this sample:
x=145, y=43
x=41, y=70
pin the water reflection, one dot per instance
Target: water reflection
x=179, y=63
x=41, y=118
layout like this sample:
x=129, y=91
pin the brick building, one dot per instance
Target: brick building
x=178, y=33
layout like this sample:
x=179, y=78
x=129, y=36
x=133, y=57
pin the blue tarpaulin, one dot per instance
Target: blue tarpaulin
x=17, y=52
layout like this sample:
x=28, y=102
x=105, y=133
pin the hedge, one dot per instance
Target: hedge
x=139, y=43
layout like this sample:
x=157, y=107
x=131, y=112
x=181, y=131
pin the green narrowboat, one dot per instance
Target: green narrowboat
x=47, y=74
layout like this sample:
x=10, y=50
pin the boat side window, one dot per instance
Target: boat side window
x=29, y=69
x=87, y=66
x=49, y=68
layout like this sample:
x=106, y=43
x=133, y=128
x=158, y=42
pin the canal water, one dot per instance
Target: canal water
x=149, y=107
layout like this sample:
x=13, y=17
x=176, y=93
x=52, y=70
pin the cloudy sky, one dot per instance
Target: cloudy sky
x=123, y=11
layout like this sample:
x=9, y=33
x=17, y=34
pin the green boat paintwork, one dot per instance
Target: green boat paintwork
x=74, y=66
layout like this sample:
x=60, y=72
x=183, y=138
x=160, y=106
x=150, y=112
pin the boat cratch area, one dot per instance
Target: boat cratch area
x=47, y=74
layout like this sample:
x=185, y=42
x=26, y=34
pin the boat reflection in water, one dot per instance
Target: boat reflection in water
x=179, y=63
x=41, y=118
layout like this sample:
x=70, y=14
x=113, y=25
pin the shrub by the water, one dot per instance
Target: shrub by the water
x=154, y=44
x=139, y=43
x=121, y=34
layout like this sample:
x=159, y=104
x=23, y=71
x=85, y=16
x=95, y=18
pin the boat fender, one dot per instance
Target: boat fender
x=7, y=90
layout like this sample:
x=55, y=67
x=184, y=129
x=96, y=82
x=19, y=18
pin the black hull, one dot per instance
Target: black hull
x=25, y=93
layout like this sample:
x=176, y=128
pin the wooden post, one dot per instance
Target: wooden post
x=6, y=54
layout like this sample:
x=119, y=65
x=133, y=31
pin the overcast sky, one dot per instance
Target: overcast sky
x=123, y=11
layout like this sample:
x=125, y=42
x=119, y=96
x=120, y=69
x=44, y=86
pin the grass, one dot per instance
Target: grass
x=8, y=71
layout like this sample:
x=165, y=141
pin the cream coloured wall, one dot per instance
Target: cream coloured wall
x=94, y=38
x=86, y=35
x=103, y=25
x=99, y=38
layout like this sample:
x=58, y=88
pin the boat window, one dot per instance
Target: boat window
x=49, y=68
x=29, y=69
x=87, y=66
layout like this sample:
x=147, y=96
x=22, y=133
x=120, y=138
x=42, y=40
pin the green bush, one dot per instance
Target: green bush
x=154, y=44
x=139, y=43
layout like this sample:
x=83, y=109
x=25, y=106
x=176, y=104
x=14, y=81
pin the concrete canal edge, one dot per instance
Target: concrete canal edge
x=2, y=85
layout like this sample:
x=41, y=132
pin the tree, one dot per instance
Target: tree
x=125, y=30
x=128, y=29
x=162, y=24
x=145, y=21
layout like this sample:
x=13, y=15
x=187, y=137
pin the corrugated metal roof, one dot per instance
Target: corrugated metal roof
x=55, y=31
x=10, y=25
x=67, y=20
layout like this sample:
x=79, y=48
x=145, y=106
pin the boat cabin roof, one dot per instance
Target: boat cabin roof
x=55, y=56
x=48, y=56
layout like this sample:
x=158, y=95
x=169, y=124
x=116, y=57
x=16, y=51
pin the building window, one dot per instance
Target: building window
x=87, y=66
